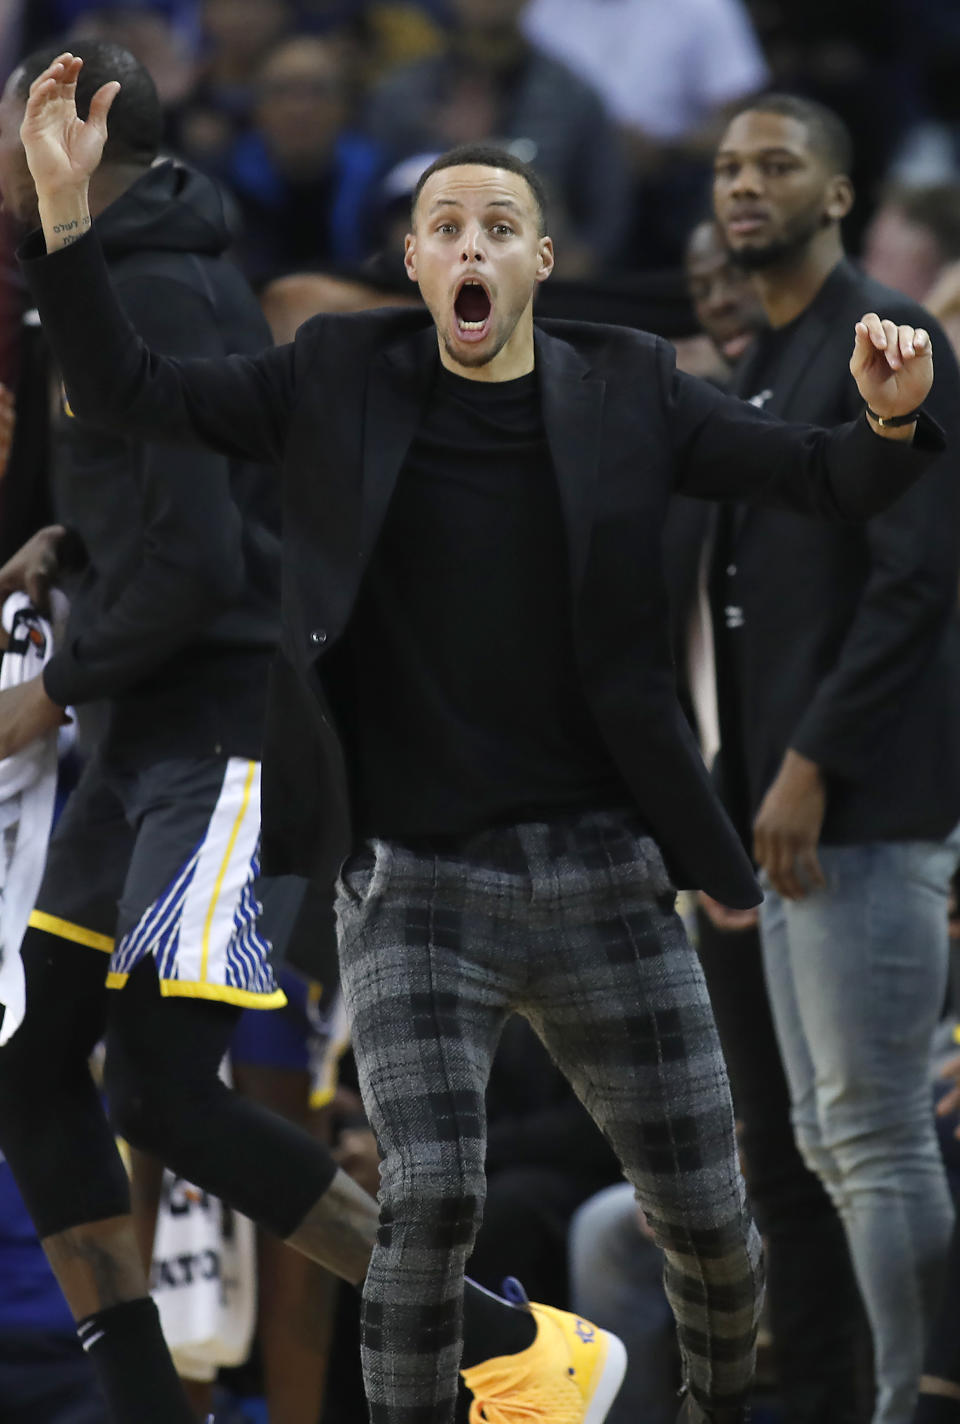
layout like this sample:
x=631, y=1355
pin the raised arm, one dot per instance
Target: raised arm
x=725, y=449
x=238, y=405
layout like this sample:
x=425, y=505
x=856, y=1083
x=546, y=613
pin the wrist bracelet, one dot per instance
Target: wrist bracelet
x=886, y=421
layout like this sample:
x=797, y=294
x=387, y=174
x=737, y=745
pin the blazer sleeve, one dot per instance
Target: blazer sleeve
x=191, y=558
x=726, y=449
x=237, y=405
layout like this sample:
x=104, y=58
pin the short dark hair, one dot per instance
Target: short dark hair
x=828, y=135
x=486, y=155
x=136, y=117
x=934, y=206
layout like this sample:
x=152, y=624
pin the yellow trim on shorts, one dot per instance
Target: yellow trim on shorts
x=218, y=886
x=65, y=929
x=224, y=993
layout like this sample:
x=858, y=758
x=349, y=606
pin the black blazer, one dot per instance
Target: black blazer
x=337, y=410
x=850, y=640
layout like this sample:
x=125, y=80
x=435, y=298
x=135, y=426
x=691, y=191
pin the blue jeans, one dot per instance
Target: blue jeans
x=857, y=976
x=616, y=1280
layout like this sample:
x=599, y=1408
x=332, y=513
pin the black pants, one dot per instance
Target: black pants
x=165, y=1096
x=47, y=1379
x=819, y=1326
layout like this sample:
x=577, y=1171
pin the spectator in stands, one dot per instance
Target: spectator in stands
x=943, y=301
x=303, y=179
x=236, y=35
x=492, y=83
x=912, y=236
x=45, y=18
x=165, y=51
x=668, y=74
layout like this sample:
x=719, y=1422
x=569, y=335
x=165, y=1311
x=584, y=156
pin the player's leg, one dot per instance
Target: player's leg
x=53, y=1129
x=272, y=1056
x=189, y=957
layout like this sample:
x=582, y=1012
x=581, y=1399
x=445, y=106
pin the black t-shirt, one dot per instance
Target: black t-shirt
x=766, y=363
x=468, y=709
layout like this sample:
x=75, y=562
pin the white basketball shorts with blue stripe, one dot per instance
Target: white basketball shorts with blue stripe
x=202, y=929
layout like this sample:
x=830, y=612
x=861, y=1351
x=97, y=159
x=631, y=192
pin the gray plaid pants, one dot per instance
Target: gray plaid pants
x=572, y=924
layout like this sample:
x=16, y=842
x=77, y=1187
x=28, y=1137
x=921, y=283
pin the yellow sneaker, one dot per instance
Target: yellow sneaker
x=569, y=1375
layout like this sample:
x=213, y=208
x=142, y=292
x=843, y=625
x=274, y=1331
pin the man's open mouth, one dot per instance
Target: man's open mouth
x=472, y=308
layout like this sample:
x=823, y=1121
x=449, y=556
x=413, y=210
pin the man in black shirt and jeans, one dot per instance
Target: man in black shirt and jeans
x=839, y=681
x=555, y=898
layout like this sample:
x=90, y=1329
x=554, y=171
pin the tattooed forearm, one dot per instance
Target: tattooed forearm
x=64, y=222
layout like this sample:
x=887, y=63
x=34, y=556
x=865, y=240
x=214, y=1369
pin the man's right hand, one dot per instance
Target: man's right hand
x=725, y=919
x=34, y=568
x=62, y=149
x=950, y=1102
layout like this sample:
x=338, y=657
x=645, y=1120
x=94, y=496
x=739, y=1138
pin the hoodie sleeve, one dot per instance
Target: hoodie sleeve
x=236, y=405
x=191, y=558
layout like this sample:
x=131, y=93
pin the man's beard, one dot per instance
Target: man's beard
x=781, y=251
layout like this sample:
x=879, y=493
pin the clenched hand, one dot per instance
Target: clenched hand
x=893, y=368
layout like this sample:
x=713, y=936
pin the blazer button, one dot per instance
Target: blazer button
x=318, y=637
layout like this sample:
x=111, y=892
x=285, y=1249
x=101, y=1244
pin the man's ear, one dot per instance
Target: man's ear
x=545, y=258
x=410, y=255
x=840, y=197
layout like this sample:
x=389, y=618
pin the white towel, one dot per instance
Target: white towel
x=28, y=785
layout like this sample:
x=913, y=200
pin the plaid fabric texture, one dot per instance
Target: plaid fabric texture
x=571, y=924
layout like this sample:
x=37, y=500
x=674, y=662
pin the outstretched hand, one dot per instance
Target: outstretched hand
x=63, y=150
x=892, y=365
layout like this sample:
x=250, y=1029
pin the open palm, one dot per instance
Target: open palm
x=63, y=150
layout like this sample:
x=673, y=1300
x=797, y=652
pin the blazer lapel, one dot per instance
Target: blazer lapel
x=572, y=402
x=401, y=377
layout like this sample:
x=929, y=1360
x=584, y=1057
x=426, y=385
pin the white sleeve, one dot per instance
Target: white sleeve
x=727, y=62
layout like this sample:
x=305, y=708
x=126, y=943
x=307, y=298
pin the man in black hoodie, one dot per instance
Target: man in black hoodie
x=172, y=564
x=172, y=561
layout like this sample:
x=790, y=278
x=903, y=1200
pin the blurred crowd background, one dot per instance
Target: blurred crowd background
x=317, y=115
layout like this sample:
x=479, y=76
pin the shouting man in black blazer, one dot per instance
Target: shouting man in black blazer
x=474, y=719
x=841, y=650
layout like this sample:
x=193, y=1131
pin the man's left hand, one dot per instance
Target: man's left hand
x=787, y=828
x=892, y=365
x=26, y=713
x=950, y=1102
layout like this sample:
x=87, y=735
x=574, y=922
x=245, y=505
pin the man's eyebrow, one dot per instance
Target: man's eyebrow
x=774, y=151
x=493, y=203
